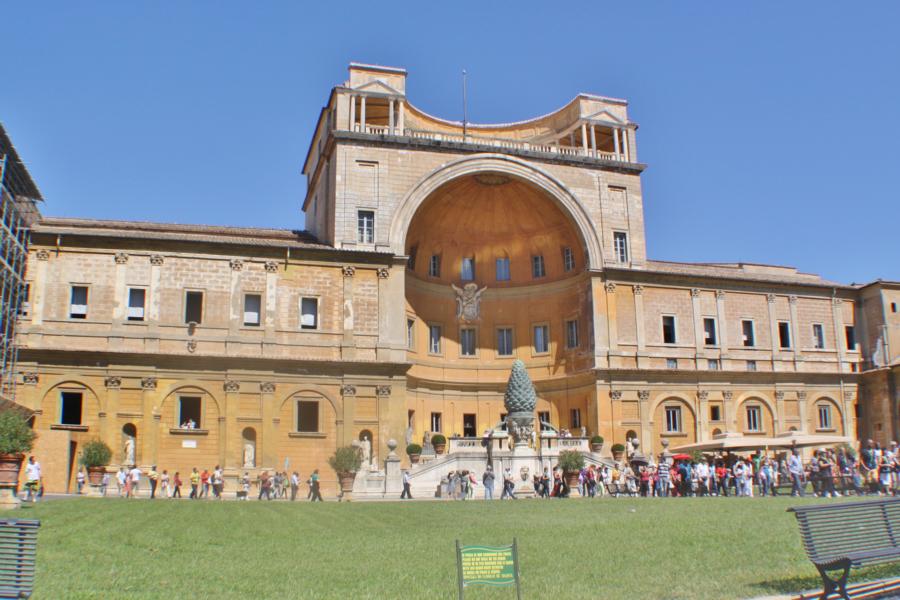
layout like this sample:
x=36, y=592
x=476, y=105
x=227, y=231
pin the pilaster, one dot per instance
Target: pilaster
x=108, y=422
x=348, y=404
x=229, y=435
x=150, y=420
x=268, y=457
x=348, y=343
x=639, y=321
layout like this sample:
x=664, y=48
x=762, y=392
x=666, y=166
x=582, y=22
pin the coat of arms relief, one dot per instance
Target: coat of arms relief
x=468, y=302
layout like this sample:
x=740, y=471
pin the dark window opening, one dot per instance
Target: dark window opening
x=544, y=417
x=189, y=412
x=469, y=429
x=668, y=326
x=749, y=337
x=850, y=333
x=307, y=416
x=784, y=334
x=715, y=413
x=70, y=413
x=193, y=307
x=78, y=306
x=709, y=331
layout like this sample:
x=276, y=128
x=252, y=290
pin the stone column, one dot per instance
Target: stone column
x=639, y=323
x=391, y=116
x=230, y=437
x=584, y=141
x=600, y=322
x=722, y=322
x=795, y=330
x=391, y=416
x=848, y=413
x=610, y=288
x=698, y=326
x=270, y=302
x=39, y=287
x=153, y=303
x=345, y=423
x=391, y=315
x=615, y=132
x=267, y=447
x=236, y=308
x=594, y=140
x=646, y=420
x=779, y=411
x=625, y=145
x=151, y=421
x=108, y=417
x=348, y=343
x=702, y=416
x=352, y=112
x=362, y=114
x=401, y=117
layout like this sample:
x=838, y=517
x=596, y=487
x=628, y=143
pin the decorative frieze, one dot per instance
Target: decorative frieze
x=702, y=396
x=271, y=266
x=348, y=271
x=113, y=383
x=121, y=258
x=644, y=395
x=610, y=287
x=231, y=386
x=42, y=254
x=638, y=290
x=727, y=395
x=384, y=273
x=236, y=264
x=695, y=292
x=30, y=378
x=267, y=387
x=792, y=299
x=348, y=390
x=615, y=395
x=157, y=260
x=148, y=383
x=771, y=298
x=720, y=294
x=779, y=396
x=383, y=390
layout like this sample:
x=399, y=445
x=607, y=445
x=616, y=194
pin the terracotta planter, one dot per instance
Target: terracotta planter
x=597, y=448
x=617, y=456
x=414, y=458
x=440, y=448
x=95, y=475
x=347, y=480
x=572, y=479
x=10, y=465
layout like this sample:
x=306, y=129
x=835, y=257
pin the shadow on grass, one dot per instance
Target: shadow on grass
x=797, y=585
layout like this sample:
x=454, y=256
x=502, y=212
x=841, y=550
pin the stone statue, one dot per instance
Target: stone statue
x=409, y=435
x=468, y=302
x=366, y=446
x=520, y=400
x=249, y=456
x=129, y=451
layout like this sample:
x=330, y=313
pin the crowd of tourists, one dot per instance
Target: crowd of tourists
x=828, y=473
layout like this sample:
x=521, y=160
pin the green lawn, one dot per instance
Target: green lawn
x=611, y=548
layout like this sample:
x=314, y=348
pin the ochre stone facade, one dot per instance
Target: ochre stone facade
x=359, y=316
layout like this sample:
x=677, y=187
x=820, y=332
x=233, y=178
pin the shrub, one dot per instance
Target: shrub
x=618, y=448
x=95, y=453
x=438, y=439
x=345, y=460
x=414, y=449
x=16, y=437
x=571, y=461
x=597, y=439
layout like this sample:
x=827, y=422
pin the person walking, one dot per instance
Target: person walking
x=104, y=484
x=204, y=484
x=153, y=476
x=195, y=484
x=218, y=482
x=295, y=485
x=406, y=494
x=488, y=480
x=795, y=469
x=120, y=481
x=79, y=480
x=164, y=484
x=176, y=485
x=314, y=486
x=134, y=477
x=265, y=486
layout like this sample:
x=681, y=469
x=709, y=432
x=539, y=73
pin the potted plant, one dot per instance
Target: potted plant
x=16, y=438
x=571, y=462
x=617, y=451
x=346, y=461
x=439, y=442
x=95, y=455
x=414, y=451
x=597, y=443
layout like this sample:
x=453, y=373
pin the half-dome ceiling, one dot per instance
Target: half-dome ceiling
x=489, y=216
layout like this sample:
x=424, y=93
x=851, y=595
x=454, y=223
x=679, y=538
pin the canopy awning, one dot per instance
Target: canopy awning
x=737, y=441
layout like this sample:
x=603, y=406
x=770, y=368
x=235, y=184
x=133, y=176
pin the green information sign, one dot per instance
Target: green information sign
x=487, y=565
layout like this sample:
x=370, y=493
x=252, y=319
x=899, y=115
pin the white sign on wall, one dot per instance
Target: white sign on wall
x=188, y=443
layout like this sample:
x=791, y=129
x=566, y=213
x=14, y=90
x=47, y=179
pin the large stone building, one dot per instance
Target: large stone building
x=436, y=254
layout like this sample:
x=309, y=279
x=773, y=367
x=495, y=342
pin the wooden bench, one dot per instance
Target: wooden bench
x=844, y=535
x=18, y=550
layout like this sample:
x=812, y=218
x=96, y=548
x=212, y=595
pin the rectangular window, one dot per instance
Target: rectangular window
x=411, y=261
x=537, y=267
x=467, y=342
x=543, y=417
x=365, y=227
x=193, y=307
x=818, y=336
x=504, y=342
x=620, y=246
x=309, y=313
x=668, y=329
x=252, y=305
x=26, y=300
x=893, y=307
x=469, y=428
x=410, y=334
x=671, y=363
x=502, y=269
x=850, y=334
x=434, y=266
x=751, y=365
x=713, y=364
x=753, y=421
x=575, y=418
x=784, y=334
x=434, y=339
x=308, y=416
x=70, y=408
x=436, y=424
x=541, y=341
x=571, y=334
x=673, y=419
x=748, y=333
x=715, y=413
x=136, y=300
x=709, y=331
x=190, y=412
x=467, y=269
x=79, y=302
x=824, y=416
x=568, y=260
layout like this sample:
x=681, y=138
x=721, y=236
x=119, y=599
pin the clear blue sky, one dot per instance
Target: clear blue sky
x=771, y=129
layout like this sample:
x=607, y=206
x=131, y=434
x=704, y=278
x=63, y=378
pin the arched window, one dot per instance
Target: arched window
x=824, y=420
